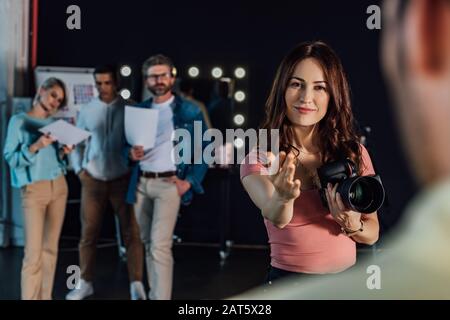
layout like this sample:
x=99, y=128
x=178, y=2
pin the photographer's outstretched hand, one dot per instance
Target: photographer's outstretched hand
x=283, y=181
x=416, y=61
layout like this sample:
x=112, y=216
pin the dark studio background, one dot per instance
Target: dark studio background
x=230, y=33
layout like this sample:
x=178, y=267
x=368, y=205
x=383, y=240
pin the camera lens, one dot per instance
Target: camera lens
x=361, y=195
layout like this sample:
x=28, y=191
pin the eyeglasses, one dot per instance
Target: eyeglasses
x=155, y=77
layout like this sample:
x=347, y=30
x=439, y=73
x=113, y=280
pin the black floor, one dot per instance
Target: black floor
x=199, y=272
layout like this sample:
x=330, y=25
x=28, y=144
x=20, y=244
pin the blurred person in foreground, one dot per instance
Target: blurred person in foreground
x=416, y=61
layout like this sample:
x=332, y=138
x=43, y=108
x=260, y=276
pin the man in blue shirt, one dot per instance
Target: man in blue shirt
x=104, y=174
x=158, y=184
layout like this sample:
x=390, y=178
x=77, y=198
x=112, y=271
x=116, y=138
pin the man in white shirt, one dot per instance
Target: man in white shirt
x=104, y=174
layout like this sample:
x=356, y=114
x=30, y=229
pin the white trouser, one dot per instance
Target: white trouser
x=156, y=211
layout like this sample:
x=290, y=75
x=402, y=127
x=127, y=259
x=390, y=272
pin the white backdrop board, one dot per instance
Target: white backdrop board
x=80, y=86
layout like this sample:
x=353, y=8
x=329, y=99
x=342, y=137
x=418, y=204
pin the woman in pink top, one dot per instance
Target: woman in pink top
x=310, y=105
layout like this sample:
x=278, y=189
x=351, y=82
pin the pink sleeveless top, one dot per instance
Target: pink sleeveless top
x=312, y=242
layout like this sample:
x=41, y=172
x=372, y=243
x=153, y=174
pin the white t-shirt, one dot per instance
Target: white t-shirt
x=159, y=158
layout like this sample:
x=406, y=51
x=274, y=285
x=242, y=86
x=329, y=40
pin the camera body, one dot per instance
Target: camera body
x=363, y=194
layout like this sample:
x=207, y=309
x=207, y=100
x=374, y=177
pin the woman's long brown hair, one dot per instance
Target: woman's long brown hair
x=337, y=135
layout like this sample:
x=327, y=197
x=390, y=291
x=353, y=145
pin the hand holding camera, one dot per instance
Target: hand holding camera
x=364, y=194
x=286, y=188
x=348, y=219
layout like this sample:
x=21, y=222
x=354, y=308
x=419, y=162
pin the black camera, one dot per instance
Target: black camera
x=363, y=194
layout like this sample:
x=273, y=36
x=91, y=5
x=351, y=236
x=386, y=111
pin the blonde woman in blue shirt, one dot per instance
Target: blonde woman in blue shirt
x=38, y=165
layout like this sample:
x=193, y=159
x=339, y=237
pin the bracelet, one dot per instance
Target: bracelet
x=351, y=232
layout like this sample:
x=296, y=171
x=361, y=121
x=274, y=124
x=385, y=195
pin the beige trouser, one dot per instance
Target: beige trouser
x=95, y=195
x=43, y=204
x=156, y=211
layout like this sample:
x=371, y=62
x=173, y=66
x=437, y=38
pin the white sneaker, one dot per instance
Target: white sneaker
x=137, y=291
x=84, y=290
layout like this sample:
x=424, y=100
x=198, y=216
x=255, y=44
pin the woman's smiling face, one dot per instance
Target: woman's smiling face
x=307, y=94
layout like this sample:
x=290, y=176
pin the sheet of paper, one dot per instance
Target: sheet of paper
x=140, y=126
x=65, y=132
